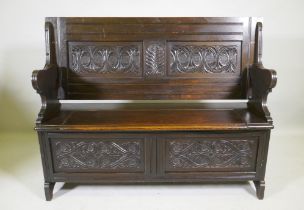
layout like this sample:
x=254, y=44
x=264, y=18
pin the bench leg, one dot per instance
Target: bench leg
x=48, y=190
x=260, y=188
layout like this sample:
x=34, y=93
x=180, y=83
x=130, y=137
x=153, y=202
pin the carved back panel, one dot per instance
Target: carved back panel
x=154, y=58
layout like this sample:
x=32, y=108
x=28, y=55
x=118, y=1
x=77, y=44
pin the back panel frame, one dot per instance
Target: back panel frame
x=173, y=58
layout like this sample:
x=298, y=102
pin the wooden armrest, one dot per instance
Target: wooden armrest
x=262, y=81
x=46, y=84
x=45, y=81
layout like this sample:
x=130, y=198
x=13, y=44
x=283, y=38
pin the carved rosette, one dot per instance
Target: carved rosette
x=208, y=59
x=210, y=154
x=105, y=59
x=155, y=59
x=97, y=155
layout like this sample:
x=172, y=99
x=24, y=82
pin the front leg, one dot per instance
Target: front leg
x=48, y=190
x=260, y=188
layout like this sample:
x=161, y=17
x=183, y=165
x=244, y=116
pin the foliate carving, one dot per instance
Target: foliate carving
x=209, y=59
x=211, y=154
x=105, y=59
x=155, y=59
x=98, y=155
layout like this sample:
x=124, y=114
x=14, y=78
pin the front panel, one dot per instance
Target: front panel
x=207, y=155
x=156, y=157
x=210, y=154
x=98, y=155
x=78, y=153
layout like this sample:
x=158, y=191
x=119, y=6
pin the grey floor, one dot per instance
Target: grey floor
x=21, y=182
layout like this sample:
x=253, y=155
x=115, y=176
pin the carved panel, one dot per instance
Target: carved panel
x=105, y=57
x=97, y=154
x=211, y=154
x=191, y=58
x=155, y=58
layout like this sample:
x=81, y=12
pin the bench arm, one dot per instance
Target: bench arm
x=45, y=81
x=262, y=81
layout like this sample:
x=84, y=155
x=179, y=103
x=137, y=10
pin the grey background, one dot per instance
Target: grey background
x=22, y=50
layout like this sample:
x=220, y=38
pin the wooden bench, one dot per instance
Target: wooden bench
x=174, y=139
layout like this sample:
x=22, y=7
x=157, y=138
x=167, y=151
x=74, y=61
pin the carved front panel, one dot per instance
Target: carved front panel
x=211, y=154
x=189, y=58
x=98, y=155
x=111, y=58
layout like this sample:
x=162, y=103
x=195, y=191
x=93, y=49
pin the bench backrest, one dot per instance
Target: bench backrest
x=154, y=58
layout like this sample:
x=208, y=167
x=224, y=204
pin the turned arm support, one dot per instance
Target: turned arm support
x=262, y=80
x=46, y=81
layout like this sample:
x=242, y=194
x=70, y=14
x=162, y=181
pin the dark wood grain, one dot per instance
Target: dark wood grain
x=48, y=190
x=155, y=116
x=45, y=81
x=262, y=80
x=159, y=141
x=150, y=32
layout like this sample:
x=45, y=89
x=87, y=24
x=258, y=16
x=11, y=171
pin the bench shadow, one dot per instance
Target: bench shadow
x=64, y=188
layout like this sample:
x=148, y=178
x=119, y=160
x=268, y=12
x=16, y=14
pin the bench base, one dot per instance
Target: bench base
x=154, y=157
x=49, y=186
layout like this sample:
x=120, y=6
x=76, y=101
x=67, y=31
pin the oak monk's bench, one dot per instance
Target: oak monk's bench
x=174, y=139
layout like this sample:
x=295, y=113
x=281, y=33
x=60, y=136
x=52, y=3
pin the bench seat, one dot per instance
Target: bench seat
x=153, y=116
